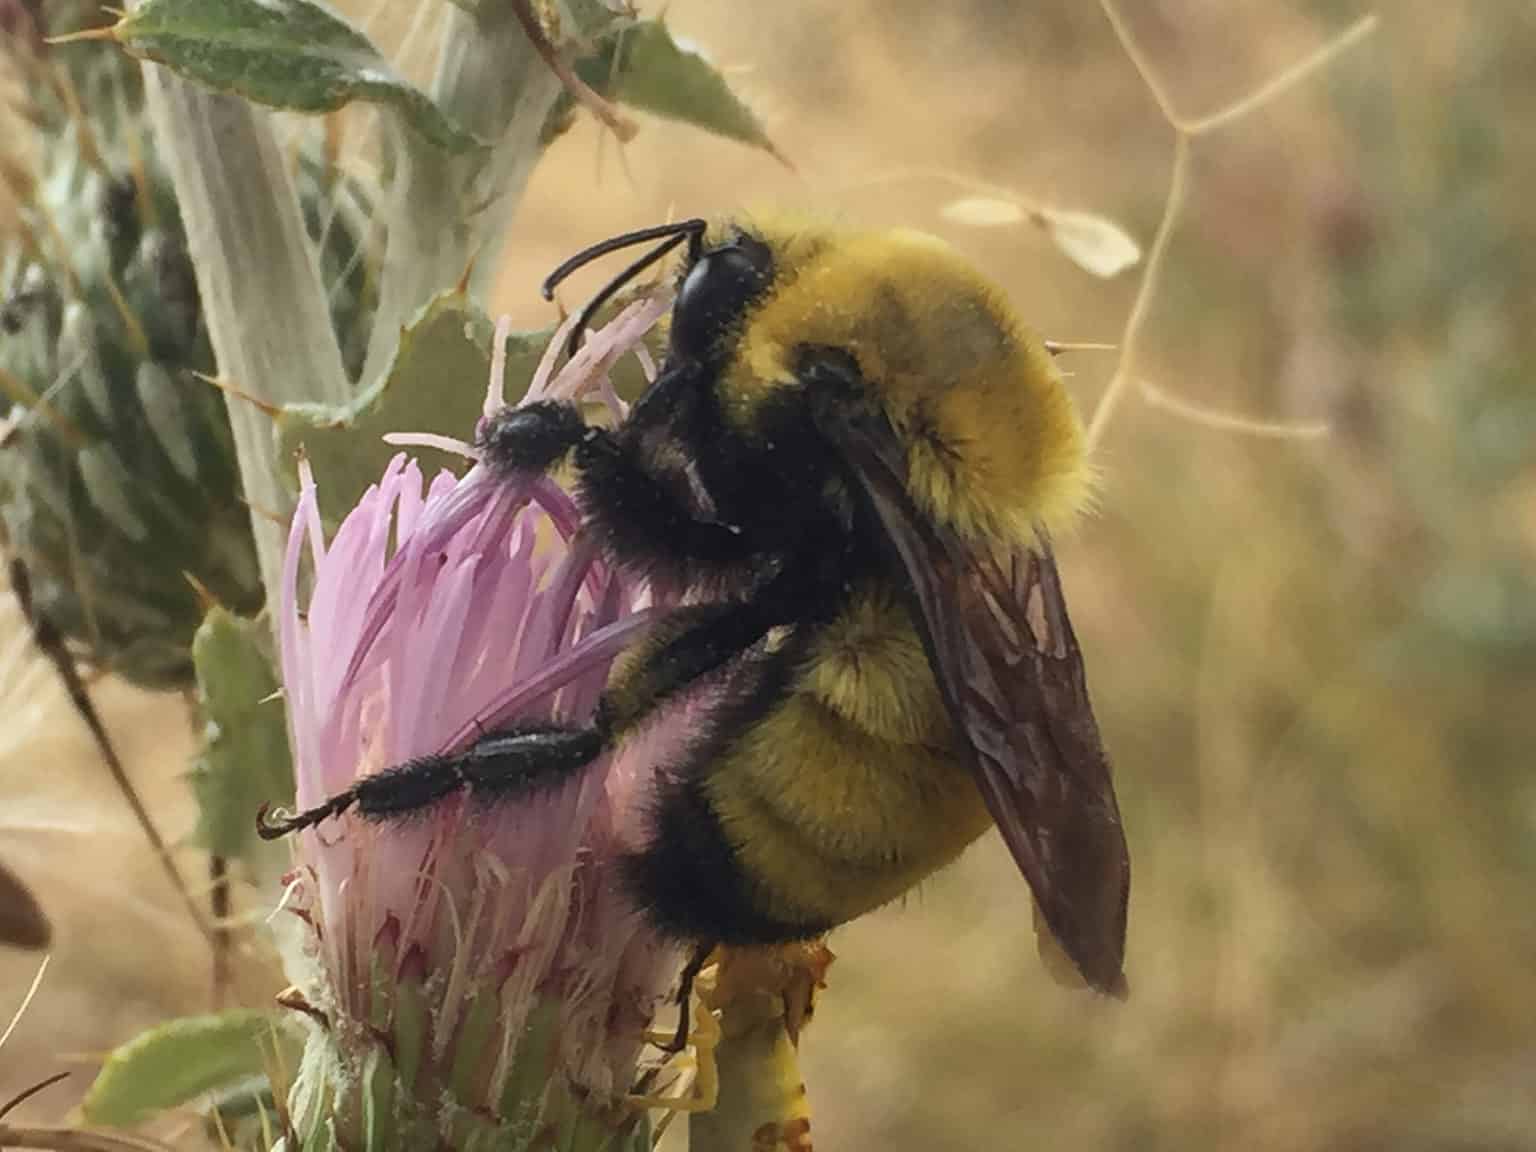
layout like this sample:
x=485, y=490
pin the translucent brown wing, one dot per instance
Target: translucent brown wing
x=1008, y=664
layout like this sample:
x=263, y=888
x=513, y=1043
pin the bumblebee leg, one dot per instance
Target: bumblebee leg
x=498, y=766
x=648, y=520
x=691, y=970
x=531, y=438
x=396, y=791
x=273, y=824
x=519, y=760
x=702, y=1094
x=510, y=765
x=689, y=645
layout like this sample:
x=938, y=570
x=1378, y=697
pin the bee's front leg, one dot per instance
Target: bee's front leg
x=532, y=437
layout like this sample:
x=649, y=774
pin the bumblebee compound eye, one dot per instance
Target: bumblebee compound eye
x=716, y=291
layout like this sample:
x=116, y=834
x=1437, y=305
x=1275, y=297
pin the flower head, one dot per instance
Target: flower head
x=477, y=955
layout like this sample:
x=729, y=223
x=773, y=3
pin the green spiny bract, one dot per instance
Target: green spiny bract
x=119, y=488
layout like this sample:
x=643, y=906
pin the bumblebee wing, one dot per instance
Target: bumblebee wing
x=1011, y=673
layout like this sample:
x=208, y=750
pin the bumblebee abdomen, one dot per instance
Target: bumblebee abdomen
x=829, y=789
x=868, y=667
x=689, y=879
x=827, y=821
x=807, y=823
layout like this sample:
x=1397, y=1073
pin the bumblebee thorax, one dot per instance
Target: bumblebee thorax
x=994, y=445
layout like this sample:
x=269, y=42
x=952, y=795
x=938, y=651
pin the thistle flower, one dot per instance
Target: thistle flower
x=480, y=979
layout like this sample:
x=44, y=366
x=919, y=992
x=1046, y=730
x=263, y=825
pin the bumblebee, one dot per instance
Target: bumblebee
x=850, y=462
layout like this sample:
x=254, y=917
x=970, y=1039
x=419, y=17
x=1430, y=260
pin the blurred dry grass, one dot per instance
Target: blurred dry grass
x=1313, y=661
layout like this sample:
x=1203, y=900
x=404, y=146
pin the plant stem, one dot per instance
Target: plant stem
x=261, y=291
x=448, y=215
x=764, y=997
x=74, y=1140
x=51, y=643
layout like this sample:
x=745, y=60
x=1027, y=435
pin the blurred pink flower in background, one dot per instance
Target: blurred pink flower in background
x=479, y=953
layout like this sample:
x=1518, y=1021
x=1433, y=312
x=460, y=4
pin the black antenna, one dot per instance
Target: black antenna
x=670, y=235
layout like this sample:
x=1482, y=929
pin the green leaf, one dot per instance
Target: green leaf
x=290, y=54
x=245, y=761
x=177, y=1062
x=436, y=384
x=644, y=66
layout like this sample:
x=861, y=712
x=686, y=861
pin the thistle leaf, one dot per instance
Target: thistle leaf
x=290, y=54
x=644, y=66
x=436, y=384
x=176, y=1062
x=245, y=761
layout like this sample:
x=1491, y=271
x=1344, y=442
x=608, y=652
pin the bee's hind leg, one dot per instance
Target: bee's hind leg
x=274, y=824
x=679, y=1039
x=500, y=765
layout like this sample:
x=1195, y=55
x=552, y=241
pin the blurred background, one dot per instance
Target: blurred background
x=1314, y=659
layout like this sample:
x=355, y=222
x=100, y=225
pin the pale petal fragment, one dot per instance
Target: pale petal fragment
x=1094, y=243
x=983, y=211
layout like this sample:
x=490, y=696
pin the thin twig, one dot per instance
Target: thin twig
x=618, y=123
x=1172, y=207
x=27, y=401
x=219, y=891
x=27, y=1093
x=1061, y=347
x=26, y=1001
x=1185, y=131
x=1287, y=79
x=75, y=1140
x=50, y=641
x=219, y=907
x=1143, y=66
x=1156, y=397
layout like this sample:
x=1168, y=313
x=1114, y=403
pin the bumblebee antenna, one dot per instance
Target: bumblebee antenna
x=674, y=232
x=670, y=235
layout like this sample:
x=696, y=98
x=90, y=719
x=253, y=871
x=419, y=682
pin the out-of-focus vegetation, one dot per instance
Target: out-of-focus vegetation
x=1313, y=659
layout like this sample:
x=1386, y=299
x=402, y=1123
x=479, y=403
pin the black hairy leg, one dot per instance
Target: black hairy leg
x=523, y=759
x=649, y=519
x=507, y=764
x=685, y=981
x=531, y=438
x=686, y=648
x=645, y=517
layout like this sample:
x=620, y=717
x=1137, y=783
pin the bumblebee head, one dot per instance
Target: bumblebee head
x=776, y=316
x=721, y=276
x=715, y=290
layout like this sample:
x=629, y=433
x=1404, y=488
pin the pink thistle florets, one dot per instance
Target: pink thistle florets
x=473, y=947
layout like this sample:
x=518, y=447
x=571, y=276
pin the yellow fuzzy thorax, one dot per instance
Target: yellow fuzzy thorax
x=994, y=444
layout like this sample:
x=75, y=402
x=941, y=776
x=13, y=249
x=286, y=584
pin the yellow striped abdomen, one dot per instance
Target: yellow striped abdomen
x=847, y=792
